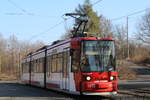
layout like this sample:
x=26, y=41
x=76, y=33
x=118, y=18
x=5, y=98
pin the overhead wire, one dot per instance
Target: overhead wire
x=60, y=22
x=32, y=14
x=18, y=7
x=47, y=30
x=96, y=2
x=131, y=14
x=24, y=11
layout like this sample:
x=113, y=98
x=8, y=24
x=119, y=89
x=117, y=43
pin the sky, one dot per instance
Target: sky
x=41, y=20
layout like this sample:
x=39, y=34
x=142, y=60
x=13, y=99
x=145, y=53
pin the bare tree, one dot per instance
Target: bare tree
x=106, y=26
x=120, y=35
x=144, y=29
x=11, y=52
x=3, y=45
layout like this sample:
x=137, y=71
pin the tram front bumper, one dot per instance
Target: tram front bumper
x=101, y=93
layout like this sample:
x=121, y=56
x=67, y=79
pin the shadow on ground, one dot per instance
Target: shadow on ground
x=24, y=92
x=142, y=71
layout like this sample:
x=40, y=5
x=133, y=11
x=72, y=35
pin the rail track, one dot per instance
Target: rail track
x=142, y=92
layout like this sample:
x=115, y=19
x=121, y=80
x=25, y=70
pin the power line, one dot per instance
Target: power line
x=138, y=12
x=24, y=11
x=96, y=2
x=134, y=13
x=127, y=24
x=18, y=7
x=34, y=15
x=51, y=28
x=44, y=32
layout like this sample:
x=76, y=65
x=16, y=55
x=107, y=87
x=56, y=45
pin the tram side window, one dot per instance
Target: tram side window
x=32, y=66
x=22, y=67
x=49, y=58
x=75, y=60
x=25, y=67
x=65, y=64
x=35, y=66
x=54, y=63
x=37, y=62
x=41, y=65
x=47, y=63
x=59, y=62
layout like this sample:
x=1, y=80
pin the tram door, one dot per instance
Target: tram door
x=65, y=73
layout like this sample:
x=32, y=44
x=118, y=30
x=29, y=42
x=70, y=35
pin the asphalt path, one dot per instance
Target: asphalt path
x=16, y=91
x=142, y=80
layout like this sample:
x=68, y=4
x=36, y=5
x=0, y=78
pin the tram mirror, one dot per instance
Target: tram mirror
x=75, y=60
x=71, y=52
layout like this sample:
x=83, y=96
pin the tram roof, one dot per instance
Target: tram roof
x=60, y=42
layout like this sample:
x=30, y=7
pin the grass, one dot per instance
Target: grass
x=6, y=77
x=125, y=72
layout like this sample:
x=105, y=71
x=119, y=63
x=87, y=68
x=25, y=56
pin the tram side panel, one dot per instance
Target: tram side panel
x=54, y=67
x=37, y=69
x=25, y=71
x=58, y=69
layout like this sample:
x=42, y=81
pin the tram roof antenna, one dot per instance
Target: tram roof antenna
x=74, y=14
x=83, y=19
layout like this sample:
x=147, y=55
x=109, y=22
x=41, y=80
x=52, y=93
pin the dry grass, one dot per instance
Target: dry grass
x=6, y=77
x=125, y=72
x=142, y=56
x=142, y=60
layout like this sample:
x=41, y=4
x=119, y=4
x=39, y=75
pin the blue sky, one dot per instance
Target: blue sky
x=47, y=13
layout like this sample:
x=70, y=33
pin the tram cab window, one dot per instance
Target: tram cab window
x=100, y=56
x=75, y=60
x=85, y=63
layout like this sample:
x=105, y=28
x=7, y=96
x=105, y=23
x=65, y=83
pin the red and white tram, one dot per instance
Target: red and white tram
x=81, y=65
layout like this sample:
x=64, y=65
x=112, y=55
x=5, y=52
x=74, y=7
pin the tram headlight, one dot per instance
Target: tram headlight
x=112, y=78
x=88, y=78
